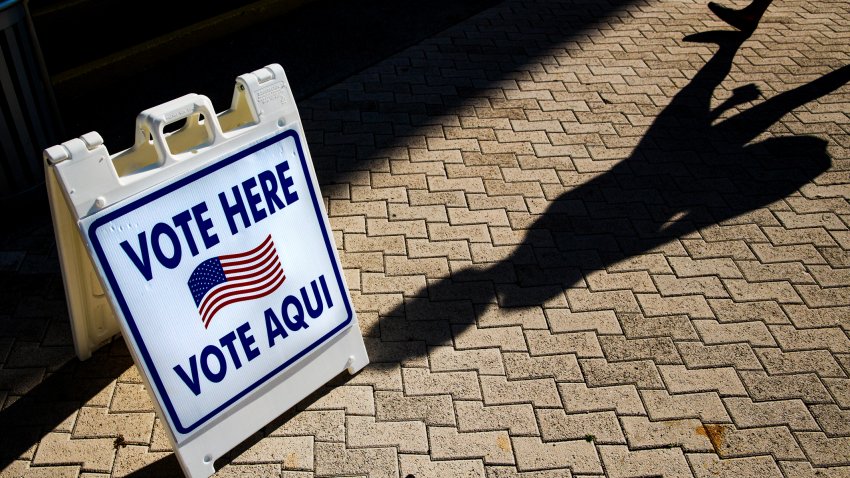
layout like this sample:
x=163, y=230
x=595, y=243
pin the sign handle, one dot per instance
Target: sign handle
x=201, y=130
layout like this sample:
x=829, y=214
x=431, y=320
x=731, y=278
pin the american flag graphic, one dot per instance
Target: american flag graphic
x=224, y=280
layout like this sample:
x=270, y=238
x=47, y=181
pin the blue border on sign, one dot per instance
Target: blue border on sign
x=137, y=337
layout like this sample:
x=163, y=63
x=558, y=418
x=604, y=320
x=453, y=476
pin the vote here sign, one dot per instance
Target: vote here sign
x=225, y=277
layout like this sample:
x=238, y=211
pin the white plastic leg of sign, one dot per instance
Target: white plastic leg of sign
x=213, y=189
x=92, y=321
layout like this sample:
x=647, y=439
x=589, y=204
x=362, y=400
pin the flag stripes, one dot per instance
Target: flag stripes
x=248, y=275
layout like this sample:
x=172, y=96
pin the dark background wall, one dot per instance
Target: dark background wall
x=109, y=61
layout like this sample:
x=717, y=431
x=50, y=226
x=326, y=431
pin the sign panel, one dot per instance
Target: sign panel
x=225, y=277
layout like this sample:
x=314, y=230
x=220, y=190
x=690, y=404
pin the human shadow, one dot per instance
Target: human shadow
x=686, y=173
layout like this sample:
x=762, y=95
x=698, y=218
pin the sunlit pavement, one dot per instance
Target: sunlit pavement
x=578, y=242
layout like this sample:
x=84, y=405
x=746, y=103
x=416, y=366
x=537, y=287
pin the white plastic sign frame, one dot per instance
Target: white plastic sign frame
x=123, y=209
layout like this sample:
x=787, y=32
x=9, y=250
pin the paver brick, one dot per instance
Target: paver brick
x=695, y=306
x=583, y=344
x=654, y=263
x=452, y=249
x=723, y=380
x=367, y=261
x=380, y=376
x=406, y=353
x=430, y=267
x=432, y=332
x=294, y=453
x=827, y=276
x=262, y=470
x=510, y=203
x=806, y=318
x=460, y=385
x=832, y=419
x=750, y=414
x=408, y=437
x=380, y=283
x=804, y=386
x=740, y=355
x=59, y=448
x=322, y=425
x=565, y=320
x=684, y=433
x=333, y=459
x=365, y=194
x=677, y=327
x=671, y=286
x=622, y=462
x=493, y=447
x=820, y=362
x=748, y=225
x=511, y=472
x=730, y=441
x=99, y=423
x=475, y=416
x=430, y=409
x=383, y=227
x=21, y=468
x=600, y=372
x=636, y=281
x=817, y=296
x=527, y=318
x=804, y=469
x=538, y=392
x=723, y=268
x=732, y=249
x=435, y=213
x=491, y=217
x=355, y=400
x=623, y=399
x=831, y=338
x=660, y=350
x=419, y=197
x=769, y=312
x=780, y=291
x=563, y=367
x=363, y=243
x=484, y=361
x=713, y=332
x=508, y=339
x=339, y=207
x=579, y=456
x=799, y=222
x=131, y=458
x=707, y=465
x=796, y=272
x=840, y=389
x=583, y=300
x=422, y=466
x=600, y=427
x=131, y=397
x=706, y=406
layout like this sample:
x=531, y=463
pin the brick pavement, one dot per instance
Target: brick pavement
x=578, y=245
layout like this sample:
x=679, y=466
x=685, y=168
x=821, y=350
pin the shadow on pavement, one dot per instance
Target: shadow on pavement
x=685, y=174
x=324, y=43
x=58, y=397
